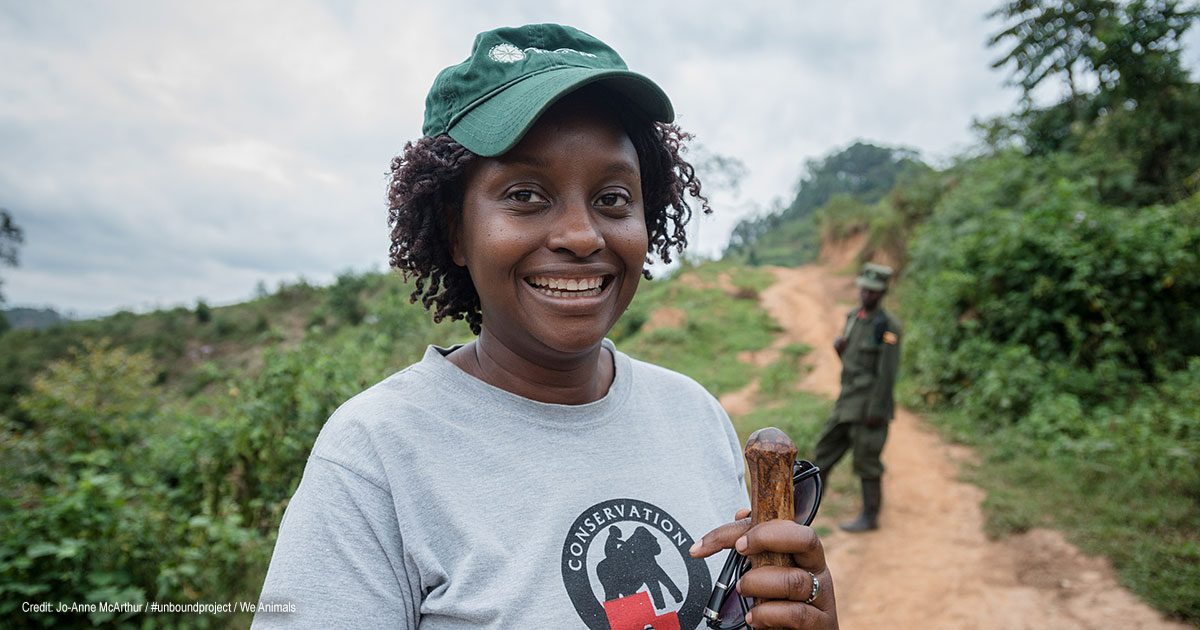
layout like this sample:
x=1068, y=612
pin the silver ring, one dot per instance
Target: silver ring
x=816, y=588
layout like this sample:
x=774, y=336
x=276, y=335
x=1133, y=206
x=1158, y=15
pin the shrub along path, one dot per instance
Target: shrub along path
x=930, y=565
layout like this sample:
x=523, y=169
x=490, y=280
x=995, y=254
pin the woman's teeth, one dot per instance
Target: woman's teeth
x=568, y=287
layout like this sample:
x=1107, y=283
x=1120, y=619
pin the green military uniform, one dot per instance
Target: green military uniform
x=869, y=365
x=870, y=351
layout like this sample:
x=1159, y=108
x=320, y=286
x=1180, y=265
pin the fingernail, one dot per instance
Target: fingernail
x=749, y=618
x=694, y=549
x=741, y=543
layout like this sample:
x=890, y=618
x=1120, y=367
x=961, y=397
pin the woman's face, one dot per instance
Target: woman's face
x=553, y=233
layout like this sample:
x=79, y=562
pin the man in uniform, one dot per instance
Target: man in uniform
x=870, y=351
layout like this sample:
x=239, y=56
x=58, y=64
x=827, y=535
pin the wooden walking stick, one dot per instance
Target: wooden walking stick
x=769, y=458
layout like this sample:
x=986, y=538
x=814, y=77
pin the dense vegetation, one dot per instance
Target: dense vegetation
x=1063, y=332
x=151, y=456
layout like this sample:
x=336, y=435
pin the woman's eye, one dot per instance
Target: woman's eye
x=612, y=200
x=526, y=196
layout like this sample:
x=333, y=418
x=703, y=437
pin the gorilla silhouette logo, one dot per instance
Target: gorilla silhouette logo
x=611, y=574
x=630, y=563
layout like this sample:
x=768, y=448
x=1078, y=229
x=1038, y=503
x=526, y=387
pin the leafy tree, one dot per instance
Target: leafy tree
x=1130, y=48
x=1138, y=116
x=11, y=236
x=1050, y=38
x=1021, y=273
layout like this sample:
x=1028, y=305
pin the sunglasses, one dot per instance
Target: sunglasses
x=727, y=608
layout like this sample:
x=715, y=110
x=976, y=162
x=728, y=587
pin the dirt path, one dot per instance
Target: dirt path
x=930, y=565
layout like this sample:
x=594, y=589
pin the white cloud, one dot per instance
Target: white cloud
x=254, y=158
x=159, y=152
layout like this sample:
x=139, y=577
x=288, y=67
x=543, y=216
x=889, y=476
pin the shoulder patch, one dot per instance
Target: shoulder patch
x=890, y=337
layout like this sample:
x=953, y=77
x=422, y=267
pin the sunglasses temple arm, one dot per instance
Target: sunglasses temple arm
x=712, y=612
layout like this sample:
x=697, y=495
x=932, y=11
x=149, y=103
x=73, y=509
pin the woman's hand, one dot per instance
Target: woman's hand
x=789, y=587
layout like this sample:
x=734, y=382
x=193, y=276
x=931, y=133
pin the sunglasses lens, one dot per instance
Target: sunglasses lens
x=807, y=493
x=734, y=608
x=733, y=612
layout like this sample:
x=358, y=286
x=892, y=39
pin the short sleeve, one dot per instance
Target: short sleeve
x=339, y=558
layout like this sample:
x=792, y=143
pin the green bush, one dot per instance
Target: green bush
x=1022, y=286
x=203, y=312
x=99, y=399
x=345, y=298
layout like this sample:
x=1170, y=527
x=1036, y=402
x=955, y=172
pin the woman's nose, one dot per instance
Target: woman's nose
x=576, y=231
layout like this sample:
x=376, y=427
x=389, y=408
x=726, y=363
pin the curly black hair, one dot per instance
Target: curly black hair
x=425, y=198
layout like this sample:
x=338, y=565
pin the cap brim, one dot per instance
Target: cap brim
x=498, y=124
x=874, y=285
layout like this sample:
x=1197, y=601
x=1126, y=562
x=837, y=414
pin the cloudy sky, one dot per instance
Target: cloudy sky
x=159, y=152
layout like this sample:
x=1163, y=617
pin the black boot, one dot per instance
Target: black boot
x=872, y=499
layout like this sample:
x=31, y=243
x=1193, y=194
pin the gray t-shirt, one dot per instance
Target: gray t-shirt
x=435, y=500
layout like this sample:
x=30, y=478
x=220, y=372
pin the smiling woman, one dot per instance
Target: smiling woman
x=535, y=477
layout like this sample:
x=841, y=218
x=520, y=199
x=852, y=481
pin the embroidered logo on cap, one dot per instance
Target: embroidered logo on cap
x=507, y=53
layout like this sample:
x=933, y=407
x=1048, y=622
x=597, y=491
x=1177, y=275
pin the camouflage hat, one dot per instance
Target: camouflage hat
x=874, y=277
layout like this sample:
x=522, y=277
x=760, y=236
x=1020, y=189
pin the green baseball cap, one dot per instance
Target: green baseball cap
x=874, y=277
x=488, y=102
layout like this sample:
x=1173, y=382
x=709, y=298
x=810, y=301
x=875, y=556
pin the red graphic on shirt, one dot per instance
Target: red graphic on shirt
x=637, y=613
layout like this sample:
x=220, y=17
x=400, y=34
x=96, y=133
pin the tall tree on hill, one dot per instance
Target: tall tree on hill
x=10, y=237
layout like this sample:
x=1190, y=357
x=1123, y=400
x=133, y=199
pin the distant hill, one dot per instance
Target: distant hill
x=33, y=318
x=843, y=182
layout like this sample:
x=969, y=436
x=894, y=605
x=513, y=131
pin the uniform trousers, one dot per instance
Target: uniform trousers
x=864, y=442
